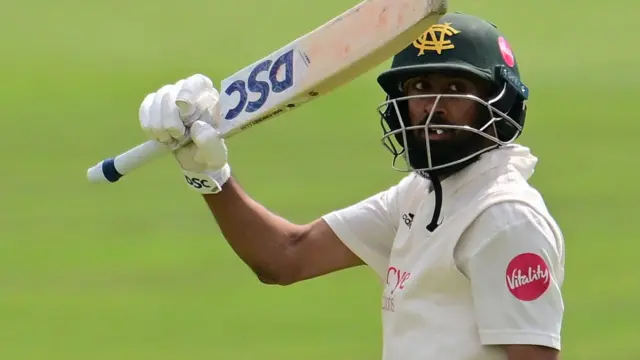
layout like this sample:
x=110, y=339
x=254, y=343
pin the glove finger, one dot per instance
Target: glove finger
x=170, y=117
x=144, y=116
x=212, y=149
x=156, y=114
x=190, y=91
x=204, y=135
x=208, y=107
x=185, y=156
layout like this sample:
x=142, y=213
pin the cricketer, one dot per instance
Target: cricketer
x=471, y=259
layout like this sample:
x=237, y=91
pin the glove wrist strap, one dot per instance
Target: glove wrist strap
x=209, y=182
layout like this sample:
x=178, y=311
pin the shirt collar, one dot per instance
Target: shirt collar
x=513, y=155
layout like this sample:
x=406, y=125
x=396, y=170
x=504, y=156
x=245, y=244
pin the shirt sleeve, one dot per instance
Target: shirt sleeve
x=516, y=270
x=368, y=227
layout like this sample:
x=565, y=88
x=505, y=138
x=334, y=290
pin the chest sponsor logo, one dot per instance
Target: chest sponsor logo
x=395, y=282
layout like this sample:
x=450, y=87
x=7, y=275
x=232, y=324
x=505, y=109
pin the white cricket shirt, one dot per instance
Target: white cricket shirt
x=490, y=274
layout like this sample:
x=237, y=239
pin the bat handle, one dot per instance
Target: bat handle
x=112, y=169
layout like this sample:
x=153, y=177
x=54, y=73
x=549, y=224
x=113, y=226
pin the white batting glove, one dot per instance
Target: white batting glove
x=184, y=111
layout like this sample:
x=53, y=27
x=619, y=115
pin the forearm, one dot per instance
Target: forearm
x=263, y=240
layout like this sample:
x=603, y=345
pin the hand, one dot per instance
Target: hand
x=183, y=116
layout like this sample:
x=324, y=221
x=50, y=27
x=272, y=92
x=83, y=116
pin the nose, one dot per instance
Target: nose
x=435, y=106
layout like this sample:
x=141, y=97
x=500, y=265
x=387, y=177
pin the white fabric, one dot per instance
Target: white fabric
x=369, y=226
x=447, y=293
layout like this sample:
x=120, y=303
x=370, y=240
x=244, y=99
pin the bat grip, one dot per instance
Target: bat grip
x=112, y=169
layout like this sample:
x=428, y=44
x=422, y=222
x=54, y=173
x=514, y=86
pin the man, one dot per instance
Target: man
x=471, y=259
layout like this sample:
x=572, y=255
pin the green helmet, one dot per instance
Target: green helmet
x=463, y=45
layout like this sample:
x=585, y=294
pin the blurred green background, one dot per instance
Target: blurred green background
x=139, y=271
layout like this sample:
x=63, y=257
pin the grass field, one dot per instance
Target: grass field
x=139, y=271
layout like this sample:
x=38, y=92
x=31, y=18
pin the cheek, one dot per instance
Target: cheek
x=464, y=112
x=416, y=111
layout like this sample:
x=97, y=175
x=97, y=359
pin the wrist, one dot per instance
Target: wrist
x=208, y=182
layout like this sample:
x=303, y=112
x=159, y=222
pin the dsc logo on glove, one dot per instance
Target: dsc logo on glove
x=197, y=183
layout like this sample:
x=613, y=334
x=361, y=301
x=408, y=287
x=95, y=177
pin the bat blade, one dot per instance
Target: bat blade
x=310, y=66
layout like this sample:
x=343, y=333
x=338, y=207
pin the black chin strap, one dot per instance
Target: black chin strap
x=437, y=188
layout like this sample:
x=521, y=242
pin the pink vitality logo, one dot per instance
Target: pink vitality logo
x=528, y=276
x=507, y=53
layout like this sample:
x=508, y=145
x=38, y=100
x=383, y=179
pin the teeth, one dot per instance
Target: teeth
x=437, y=131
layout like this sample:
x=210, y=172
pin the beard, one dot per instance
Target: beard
x=461, y=144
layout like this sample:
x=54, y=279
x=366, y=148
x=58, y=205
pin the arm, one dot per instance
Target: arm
x=278, y=251
x=531, y=352
x=515, y=263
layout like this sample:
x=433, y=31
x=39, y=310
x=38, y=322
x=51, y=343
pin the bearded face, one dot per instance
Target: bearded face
x=445, y=120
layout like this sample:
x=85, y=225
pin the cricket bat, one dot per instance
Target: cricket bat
x=308, y=67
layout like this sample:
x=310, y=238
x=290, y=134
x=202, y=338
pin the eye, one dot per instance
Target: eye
x=417, y=85
x=456, y=87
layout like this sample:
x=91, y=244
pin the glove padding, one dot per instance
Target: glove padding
x=182, y=112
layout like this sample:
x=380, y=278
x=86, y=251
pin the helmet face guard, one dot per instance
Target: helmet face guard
x=492, y=127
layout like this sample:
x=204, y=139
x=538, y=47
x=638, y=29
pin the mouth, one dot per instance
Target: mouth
x=434, y=131
x=440, y=134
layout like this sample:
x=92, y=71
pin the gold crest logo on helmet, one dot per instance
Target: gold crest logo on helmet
x=436, y=38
